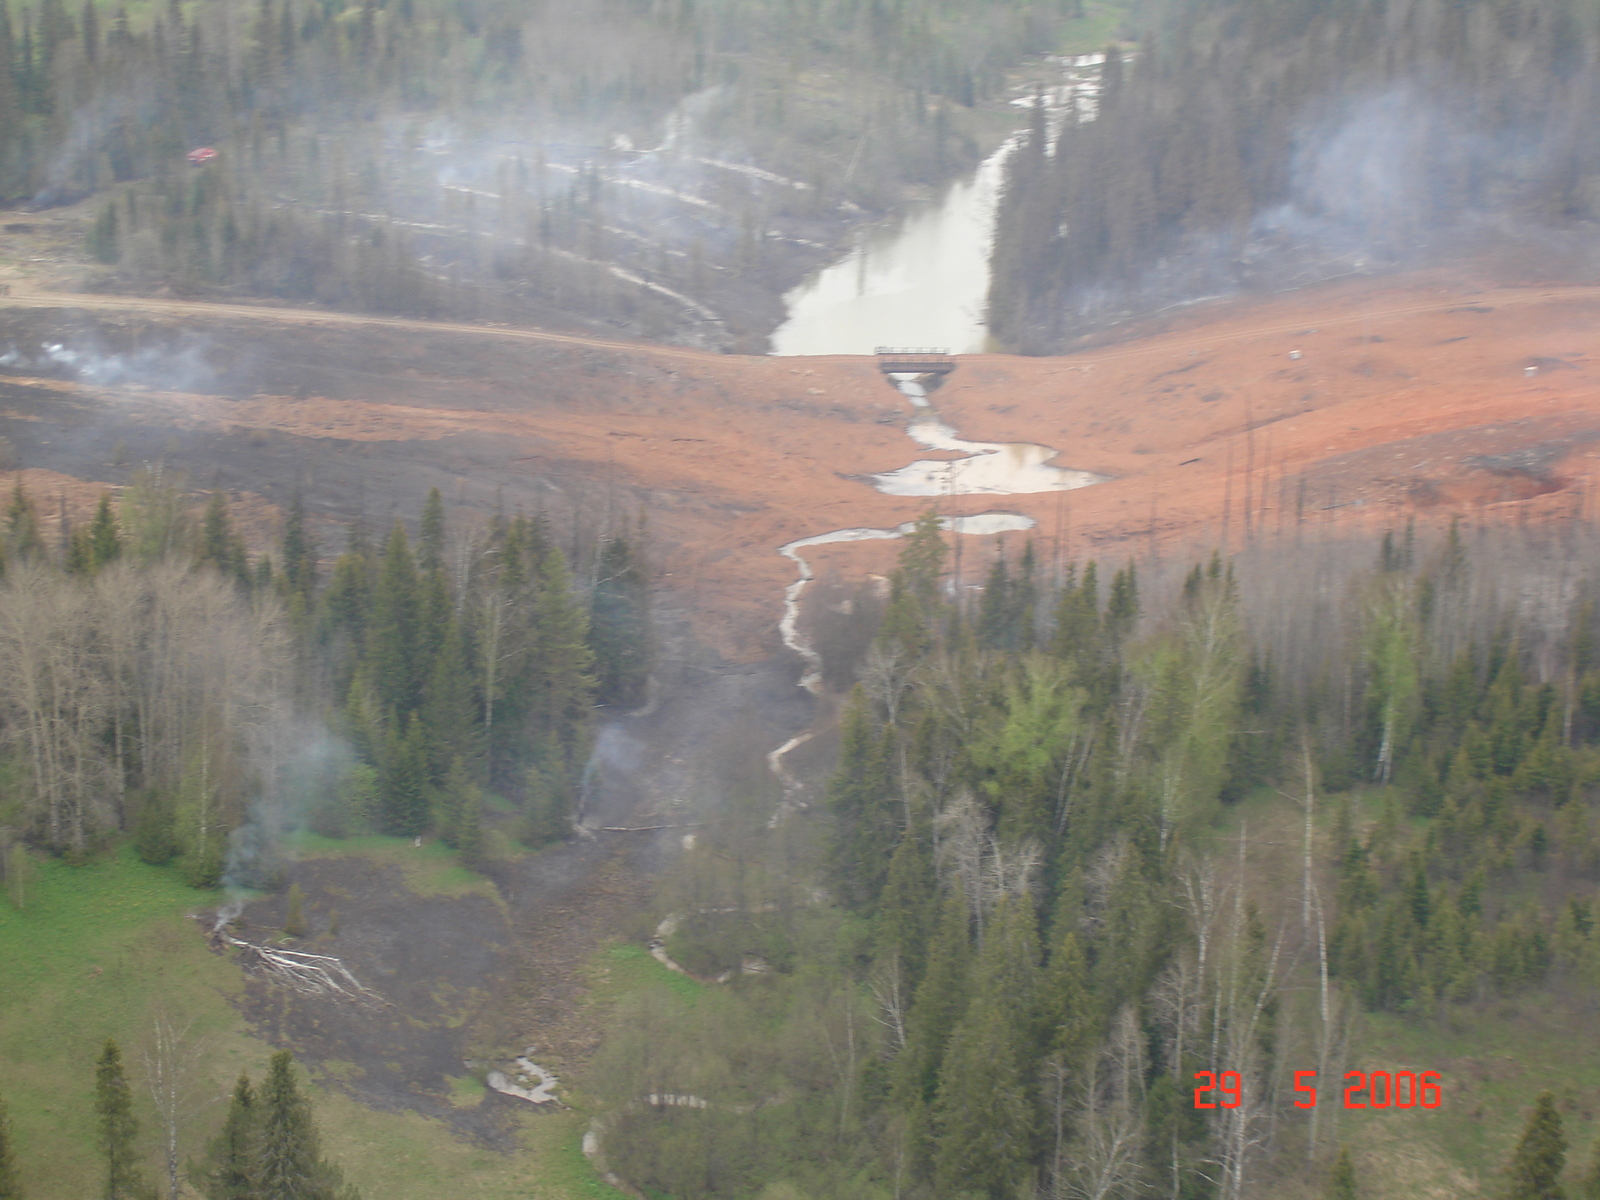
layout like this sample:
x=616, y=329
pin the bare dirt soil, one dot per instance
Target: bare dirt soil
x=1366, y=402
x=1360, y=404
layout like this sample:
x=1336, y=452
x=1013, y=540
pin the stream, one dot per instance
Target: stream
x=925, y=282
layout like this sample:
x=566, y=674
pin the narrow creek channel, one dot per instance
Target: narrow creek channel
x=925, y=282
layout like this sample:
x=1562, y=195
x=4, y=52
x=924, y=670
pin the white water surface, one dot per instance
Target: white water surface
x=995, y=468
x=979, y=523
x=922, y=282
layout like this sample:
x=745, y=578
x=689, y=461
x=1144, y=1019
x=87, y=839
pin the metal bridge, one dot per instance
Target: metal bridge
x=914, y=361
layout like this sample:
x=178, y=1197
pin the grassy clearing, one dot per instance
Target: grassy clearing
x=1095, y=30
x=93, y=955
x=623, y=969
x=1516, y=1050
x=404, y=1154
x=100, y=948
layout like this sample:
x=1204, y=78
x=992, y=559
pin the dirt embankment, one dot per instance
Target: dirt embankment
x=1354, y=405
x=1362, y=403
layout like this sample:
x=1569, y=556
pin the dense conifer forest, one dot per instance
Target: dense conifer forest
x=1044, y=905
x=644, y=165
x=392, y=695
x=1265, y=142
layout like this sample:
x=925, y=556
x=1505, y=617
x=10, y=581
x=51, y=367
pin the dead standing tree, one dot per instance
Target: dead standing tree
x=171, y=1065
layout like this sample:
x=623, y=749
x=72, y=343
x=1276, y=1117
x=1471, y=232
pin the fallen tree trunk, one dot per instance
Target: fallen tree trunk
x=308, y=974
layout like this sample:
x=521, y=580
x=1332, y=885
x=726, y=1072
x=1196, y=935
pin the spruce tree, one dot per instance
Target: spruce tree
x=1589, y=1185
x=105, y=539
x=349, y=594
x=939, y=1003
x=10, y=1183
x=861, y=798
x=119, y=1128
x=908, y=907
x=994, y=610
x=1342, y=1182
x=1077, y=617
x=560, y=676
x=403, y=782
x=1541, y=1154
x=1066, y=1006
x=289, y=1162
x=392, y=660
x=220, y=547
x=430, y=539
x=984, y=1114
x=22, y=525
x=1122, y=607
x=299, y=574
x=619, y=626
x=230, y=1168
x=922, y=560
x=449, y=709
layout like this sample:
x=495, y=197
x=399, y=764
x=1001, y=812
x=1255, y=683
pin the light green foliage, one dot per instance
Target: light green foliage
x=1391, y=658
x=1028, y=748
x=992, y=785
x=1192, y=676
x=154, y=520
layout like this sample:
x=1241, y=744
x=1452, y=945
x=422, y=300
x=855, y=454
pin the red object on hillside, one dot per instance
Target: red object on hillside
x=200, y=157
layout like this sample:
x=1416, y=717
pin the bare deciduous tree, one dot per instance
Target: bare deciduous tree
x=172, y=1067
x=1110, y=1119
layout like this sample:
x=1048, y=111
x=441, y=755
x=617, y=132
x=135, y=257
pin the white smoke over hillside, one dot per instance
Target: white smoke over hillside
x=180, y=366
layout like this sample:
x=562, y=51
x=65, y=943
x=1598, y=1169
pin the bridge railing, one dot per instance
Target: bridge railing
x=914, y=361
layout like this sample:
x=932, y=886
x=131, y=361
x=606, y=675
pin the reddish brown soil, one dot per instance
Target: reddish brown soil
x=1410, y=398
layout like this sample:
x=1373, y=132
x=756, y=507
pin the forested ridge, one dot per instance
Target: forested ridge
x=1044, y=904
x=1267, y=142
x=647, y=165
x=161, y=684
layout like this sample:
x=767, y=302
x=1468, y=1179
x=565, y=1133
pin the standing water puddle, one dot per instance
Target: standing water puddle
x=993, y=468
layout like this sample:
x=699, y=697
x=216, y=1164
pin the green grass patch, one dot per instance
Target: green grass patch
x=1094, y=31
x=407, y=1155
x=569, y=1170
x=466, y=1091
x=94, y=954
x=100, y=948
x=1495, y=1060
x=622, y=969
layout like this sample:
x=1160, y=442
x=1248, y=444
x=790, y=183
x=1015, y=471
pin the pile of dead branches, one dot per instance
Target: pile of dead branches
x=308, y=974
